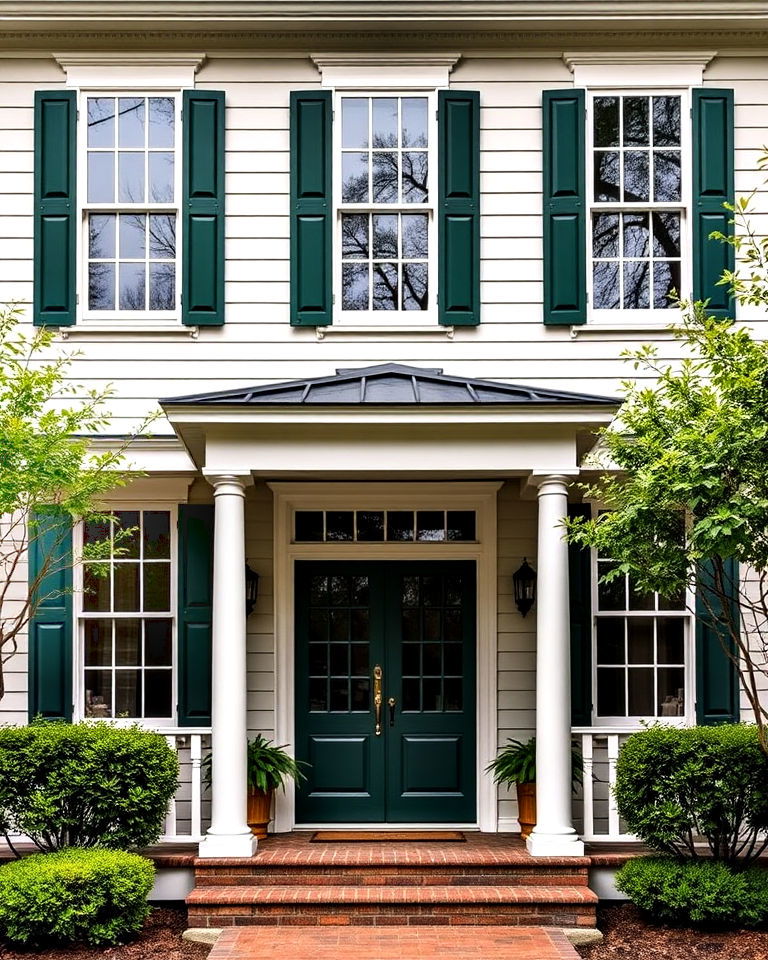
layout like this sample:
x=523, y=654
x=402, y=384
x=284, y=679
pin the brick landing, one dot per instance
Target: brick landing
x=392, y=943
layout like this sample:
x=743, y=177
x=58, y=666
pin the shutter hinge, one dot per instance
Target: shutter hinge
x=586, y=298
x=333, y=299
x=77, y=299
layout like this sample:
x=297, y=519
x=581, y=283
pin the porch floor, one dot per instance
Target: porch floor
x=392, y=943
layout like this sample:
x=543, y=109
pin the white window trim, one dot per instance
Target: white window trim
x=78, y=657
x=106, y=319
x=364, y=318
x=650, y=317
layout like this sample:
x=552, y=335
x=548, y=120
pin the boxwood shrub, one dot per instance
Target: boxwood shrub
x=699, y=892
x=75, y=895
x=85, y=784
x=679, y=787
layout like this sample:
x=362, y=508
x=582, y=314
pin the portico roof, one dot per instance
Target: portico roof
x=389, y=384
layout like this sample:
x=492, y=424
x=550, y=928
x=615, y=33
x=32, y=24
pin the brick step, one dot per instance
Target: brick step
x=304, y=905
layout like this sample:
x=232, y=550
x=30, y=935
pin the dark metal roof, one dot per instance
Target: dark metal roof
x=389, y=384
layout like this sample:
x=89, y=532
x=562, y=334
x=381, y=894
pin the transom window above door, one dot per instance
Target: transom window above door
x=393, y=526
x=385, y=213
x=130, y=213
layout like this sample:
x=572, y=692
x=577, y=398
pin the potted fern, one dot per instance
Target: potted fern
x=517, y=764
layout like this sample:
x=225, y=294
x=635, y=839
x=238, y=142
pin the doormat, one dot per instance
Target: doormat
x=388, y=836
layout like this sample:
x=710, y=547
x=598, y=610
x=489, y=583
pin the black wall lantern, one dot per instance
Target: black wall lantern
x=251, y=590
x=524, y=582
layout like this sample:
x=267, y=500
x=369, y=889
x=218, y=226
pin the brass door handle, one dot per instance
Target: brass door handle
x=377, y=697
x=391, y=703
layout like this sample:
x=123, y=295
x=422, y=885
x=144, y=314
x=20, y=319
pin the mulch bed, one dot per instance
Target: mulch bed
x=159, y=940
x=629, y=935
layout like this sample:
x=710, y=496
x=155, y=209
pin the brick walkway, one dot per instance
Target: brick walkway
x=392, y=943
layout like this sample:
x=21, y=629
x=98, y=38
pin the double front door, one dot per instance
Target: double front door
x=385, y=691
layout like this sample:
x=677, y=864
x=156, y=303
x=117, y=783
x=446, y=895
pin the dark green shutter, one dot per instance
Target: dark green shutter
x=195, y=605
x=712, y=187
x=580, y=584
x=311, y=209
x=565, y=242
x=458, y=290
x=55, y=269
x=50, y=629
x=202, y=297
x=717, y=681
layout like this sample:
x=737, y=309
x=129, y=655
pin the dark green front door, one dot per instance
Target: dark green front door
x=416, y=622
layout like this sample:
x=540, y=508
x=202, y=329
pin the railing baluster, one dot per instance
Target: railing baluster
x=196, y=753
x=614, y=828
x=587, y=790
x=170, y=818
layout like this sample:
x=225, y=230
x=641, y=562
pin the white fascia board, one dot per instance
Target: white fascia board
x=149, y=455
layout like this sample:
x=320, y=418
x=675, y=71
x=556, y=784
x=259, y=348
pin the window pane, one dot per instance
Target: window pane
x=461, y=524
x=162, y=236
x=354, y=178
x=101, y=122
x=432, y=695
x=339, y=633
x=415, y=289
x=338, y=587
x=410, y=625
x=606, y=176
x=452, y=628
x=640, y=640
x=162, y=286
x=666, y=234
x=605, y=235
x=411, y=694
x=160, y=177
x=97, y=643
x=101, y=286
x=605, y=285
x=384, y=177
x=610, y=693
x=415, y=236
x=101, y=177
x=339, y=525
x=400, y=525
x=452, y=653
x=101, y=235
x=319, y=621
x=359, y=662
x=666, y=284
x=636, y=238
x=454, y=695
x=639, y=600
x=133, y=236
x=612, y=595
x=354, y=122
x=318, y=695
x=130, y=185
x=636, y=176
x=411, y=659
x=131, y=119
x=385, y=287
x=606, y=121
x=384, y=122
x=432, y=591
x=635, y=121
x=161, y=121
x=671, y=692
x=127, y=536
x=339, y=694
x=354, y=236
x=415, y=121
x=318, y=659
x=98, y=693
x=157, y=534
x=432, y=657
x=157, y=643
x=415, y=173
x=670, y=633
x=610, y=640
x=431, y=621
x=157, y=586
x=354, y=286
x=430, y=525
x=126, y=586
x=667, y=176
x=385, y=236
x=128, y=643
x=666, y=121
x=96, y=590
x=637, y=285
x=640, y=686
x=132, y=286
x=157, y=693
x=361, y=695
x=309, y=526
x=370, y=525
x=128, y=693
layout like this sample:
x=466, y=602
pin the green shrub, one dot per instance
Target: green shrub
x=701, y=892
x=676, y=786
x=96, y=896
x=85, y=784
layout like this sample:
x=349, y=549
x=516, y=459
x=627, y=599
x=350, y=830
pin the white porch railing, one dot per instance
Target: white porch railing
x=599, y=818
x=188, y=811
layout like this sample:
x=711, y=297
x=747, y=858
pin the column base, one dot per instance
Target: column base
x=554, y=845
x=227, y=845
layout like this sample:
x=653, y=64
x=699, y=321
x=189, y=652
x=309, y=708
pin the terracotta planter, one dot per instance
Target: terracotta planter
x=526, y=807
x=259, y=809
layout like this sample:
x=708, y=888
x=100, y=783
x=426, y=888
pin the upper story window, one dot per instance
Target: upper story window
x=385, y=210
x=131, y=196
x=639, y=199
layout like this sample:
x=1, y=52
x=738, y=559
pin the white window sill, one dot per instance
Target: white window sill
x=386, y=331
x=596, y=328
x=85, y=329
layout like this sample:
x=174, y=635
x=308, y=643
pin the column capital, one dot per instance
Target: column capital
x=552, y=483
x=228, y=481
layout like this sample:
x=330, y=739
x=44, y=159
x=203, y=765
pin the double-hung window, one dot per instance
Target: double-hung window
x=131, y=185
x=385, y=225
x=639, y=188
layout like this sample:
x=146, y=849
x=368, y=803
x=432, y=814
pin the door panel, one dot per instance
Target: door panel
x=417, y=621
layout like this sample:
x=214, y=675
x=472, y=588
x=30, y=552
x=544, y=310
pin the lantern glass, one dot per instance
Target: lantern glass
x=251, y=589
x=524, y=583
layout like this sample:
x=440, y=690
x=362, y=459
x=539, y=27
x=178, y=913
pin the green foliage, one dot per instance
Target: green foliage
x=676, y=786
x=702, y=892
x=85, y=784
x=96, y=896
x=269, y=766
x=516, y=763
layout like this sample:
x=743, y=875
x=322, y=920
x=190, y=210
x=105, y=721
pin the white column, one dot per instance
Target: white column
x=229, y=834
x=553, y=835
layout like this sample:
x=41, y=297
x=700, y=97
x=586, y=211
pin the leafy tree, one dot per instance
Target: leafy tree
x=47, y=469
x=683, y=472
